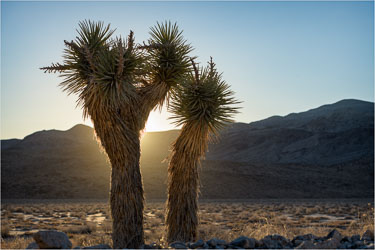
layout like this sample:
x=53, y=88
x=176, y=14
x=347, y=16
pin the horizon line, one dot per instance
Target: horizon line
x=78, y=124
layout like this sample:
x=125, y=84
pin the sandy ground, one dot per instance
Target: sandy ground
x=89, y=222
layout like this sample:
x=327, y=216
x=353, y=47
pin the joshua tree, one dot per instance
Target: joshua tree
x=202, y=105
x=118, y=83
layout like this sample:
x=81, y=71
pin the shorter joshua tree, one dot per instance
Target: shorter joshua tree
x=202, y=104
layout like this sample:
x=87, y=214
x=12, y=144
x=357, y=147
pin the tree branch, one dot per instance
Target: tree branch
x=196, y=71
x=56, y=67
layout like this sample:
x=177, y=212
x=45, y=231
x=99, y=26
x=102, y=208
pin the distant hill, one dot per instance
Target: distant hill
x=327, y=152
x=331, y=134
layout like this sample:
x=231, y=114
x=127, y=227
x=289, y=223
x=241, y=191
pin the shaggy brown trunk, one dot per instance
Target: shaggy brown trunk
x=121, y=142
x=118, y=131
x=127, y=205
x=183, y=185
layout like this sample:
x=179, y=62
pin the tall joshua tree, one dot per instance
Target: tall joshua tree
x=202, y=104
x=118, y=83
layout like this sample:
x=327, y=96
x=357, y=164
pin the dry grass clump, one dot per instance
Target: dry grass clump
x=154, y=229
x=91, y=240
x=160, y=214
x=266, y=227
x=209, y=232
x=86, y=228
x=5, y=229
x=15, y=243
x=363, y=222
x=106, y=227
x=79, y=214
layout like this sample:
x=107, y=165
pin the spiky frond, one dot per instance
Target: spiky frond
x=168, y=53
x=203, y=100
x=100, y=70
x=93, y=34
x=55, y=67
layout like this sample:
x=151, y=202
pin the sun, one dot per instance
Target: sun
x=158, y=121
x=153, y=123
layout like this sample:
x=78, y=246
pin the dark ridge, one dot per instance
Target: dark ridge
x=326, y=152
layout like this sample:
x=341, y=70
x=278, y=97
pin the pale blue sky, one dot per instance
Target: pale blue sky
x=279, y=57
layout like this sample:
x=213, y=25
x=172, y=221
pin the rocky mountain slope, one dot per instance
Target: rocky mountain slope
x=327, y=152
x=330, y=134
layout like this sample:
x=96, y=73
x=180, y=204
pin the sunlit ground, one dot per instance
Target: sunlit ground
x=89, y=223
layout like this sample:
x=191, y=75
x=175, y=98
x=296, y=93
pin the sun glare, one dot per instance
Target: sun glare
x=158, y=121
x=153, y=123
x=88, y=122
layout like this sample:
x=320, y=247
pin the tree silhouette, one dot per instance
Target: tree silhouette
x=203, y=104
x=118, y=84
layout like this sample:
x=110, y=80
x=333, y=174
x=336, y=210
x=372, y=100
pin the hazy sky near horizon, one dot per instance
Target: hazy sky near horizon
x=279, y=57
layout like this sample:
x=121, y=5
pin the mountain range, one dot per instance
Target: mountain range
x=326, y=152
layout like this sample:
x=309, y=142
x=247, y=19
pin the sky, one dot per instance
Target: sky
x=278, y=57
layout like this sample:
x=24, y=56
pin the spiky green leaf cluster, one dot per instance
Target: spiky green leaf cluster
x=99, y=69
x=203, y=99
x=168, y=53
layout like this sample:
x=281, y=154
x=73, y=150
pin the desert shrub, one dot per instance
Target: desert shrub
x=16, y=243
x=6, y=214
x=87, y=228
x=312, y=210
x=28, y=210
x=210, y=231
x=17, y=210
x=315, y=230
x=91, y=240
x=5, y=229
x=160, y=214
x=153, y=222
x=156, y=234
x=106, y=226
x=266, y=226
x=364, y=221
x=80, y=215
x=300, y=210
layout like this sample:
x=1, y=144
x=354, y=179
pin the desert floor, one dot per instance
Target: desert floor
x=89, y=222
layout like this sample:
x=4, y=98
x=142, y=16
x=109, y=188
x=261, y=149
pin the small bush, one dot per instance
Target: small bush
x=5, y=229
x=107, y=227
x=88, y=228
x=16, y=243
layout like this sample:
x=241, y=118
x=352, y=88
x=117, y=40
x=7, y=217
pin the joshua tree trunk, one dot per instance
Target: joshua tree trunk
x=183, y=184
x=119, y=133
x=121, y=141
x=127, y=205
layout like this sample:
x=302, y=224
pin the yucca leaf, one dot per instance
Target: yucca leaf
x=168, y=53
x=203, y=98
x=101, y=70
